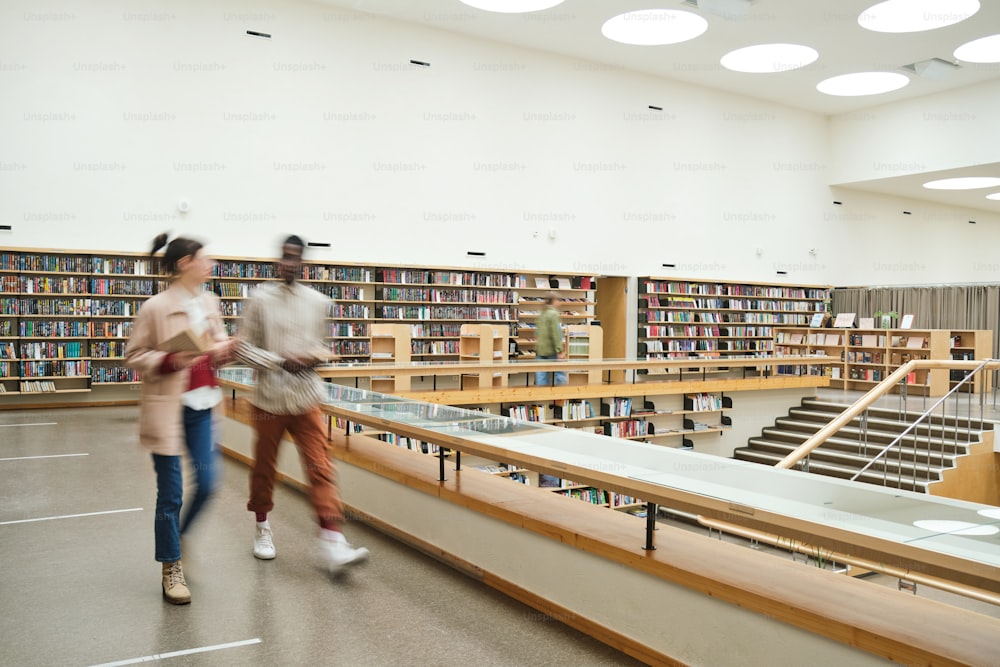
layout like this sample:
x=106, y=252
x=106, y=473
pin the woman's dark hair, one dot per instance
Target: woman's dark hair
x=177, y=250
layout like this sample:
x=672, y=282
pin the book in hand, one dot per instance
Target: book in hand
x=187, y=341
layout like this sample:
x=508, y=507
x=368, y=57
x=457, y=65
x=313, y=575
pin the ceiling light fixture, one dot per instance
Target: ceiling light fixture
x=654, y=27
x=898, y=16
x=982, y=50
x=963, y=183
x=995, y=196
x=769, y=58
x=862, y=83
x=512, y=6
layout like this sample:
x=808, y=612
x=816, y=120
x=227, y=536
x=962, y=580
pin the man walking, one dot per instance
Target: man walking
x=282, y=336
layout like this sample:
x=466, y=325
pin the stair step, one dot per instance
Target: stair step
x=854, y=461
x=888, y=414
x=885, y=426
x=908, y=448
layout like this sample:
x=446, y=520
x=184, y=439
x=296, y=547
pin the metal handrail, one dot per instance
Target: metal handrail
x=922, y=417
x=876, y=392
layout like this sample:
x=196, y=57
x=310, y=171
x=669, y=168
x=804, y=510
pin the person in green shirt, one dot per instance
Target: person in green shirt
x=549, y=345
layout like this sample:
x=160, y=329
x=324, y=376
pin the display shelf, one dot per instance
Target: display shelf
x=683, y=317
x=390, y=344
x=488, y=344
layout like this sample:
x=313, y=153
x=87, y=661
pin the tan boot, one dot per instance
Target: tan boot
x=175, y=590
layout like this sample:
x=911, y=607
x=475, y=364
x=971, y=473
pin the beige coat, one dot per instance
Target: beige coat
x=161, y=428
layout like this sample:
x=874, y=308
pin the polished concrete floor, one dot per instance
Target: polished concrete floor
x=85, y=590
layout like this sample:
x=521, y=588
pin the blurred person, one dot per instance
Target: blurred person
x=179, y=397
x=549, y=341
x=282, y=335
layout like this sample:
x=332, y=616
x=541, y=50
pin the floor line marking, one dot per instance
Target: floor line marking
x=31, y=424
x=69, y=516
x=174, y=654
x=47, y=456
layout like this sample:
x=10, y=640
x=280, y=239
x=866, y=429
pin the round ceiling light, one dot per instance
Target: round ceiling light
x=916, y=15
x=512, y=6
x=769, y=58
x=993, y=512
x=963, y=183
x=654, y=27
x=982, y=50
x=995, y=197
x=956, y=527
x=862, y=83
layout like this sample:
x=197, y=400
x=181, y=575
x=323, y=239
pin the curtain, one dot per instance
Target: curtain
x=958, y=307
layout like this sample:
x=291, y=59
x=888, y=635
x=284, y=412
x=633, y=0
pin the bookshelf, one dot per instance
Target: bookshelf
x=681, y=318
x=584, y=342
x=484, y=343
x=390, y=344
x=577, y=301
x=51, y=296
x=868, y=356
x=636, y=418
x=969, y=345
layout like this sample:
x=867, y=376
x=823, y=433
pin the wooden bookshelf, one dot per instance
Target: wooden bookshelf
x=868, y=356
x=487, y=344
x=681, y=317
x=971, y=344
x=583, y=342
x=47, y=295
x=390, y=344
x=577, y=302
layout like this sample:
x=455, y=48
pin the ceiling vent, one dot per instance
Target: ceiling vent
x=933, y=68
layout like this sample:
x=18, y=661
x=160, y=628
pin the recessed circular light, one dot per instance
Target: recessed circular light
x=956, y=527
x=963, y=183
x=982, y=50
x=654, y=27
x=512, y=6
x=995, y=197
x=992, y=513
x=862, y=83
x=916, y=15
x=769, y=58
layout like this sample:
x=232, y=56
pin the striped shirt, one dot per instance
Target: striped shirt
x=281, y=321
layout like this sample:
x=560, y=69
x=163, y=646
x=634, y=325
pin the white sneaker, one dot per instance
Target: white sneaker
x=337, y=554
x=263, y=542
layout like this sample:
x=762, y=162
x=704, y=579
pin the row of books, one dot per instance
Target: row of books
x=235, y=269
x=56, y=328
x=409, y=443
x=107, y=374
x=703, y=401
x=127, y=287
x=351, y=348
x=345, y=273
x=357, y=310
x=349, y=329
x=7, y=350
x=587, y=494
x=527, y=413
x=9, y=369
x=574, y=410
x=50, y=368
x=863, y=357
x=104, y=349
x=616, y=407
x=14, y=261
x=435, y=330
x=54, y=285
x=629, y=429
x=53, y=350
x=420, y=347
x=718, y=289
x=696, y=316
x=446, y=295
x=79, y=307
x=419, y=277
x=37, y=387
x=444, y=313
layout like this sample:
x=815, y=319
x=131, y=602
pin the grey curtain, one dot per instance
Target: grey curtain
x=933, y=307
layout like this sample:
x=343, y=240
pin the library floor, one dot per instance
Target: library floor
x=79, y=585
x=84, y=590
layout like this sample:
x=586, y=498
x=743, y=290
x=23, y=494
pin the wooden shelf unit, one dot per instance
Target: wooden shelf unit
x=577, y=303
x=390, y=344
x=109, y=288
x=971, y=344
x=488, y=344
x=583, y=342
x=682, y=317
x=869, y=355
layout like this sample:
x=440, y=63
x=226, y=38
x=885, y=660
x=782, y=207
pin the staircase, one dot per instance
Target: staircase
x=908, y=466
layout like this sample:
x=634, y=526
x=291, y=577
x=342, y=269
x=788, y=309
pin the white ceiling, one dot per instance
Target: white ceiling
x=573, y=28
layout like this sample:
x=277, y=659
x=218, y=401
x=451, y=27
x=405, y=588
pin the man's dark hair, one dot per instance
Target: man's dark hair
x=294, y=240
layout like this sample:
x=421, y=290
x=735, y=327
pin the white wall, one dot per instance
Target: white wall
x=110, y=113
x=959, y=128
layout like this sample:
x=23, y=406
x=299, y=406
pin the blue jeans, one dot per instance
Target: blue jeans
x=542, y=377
x=167, y=524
